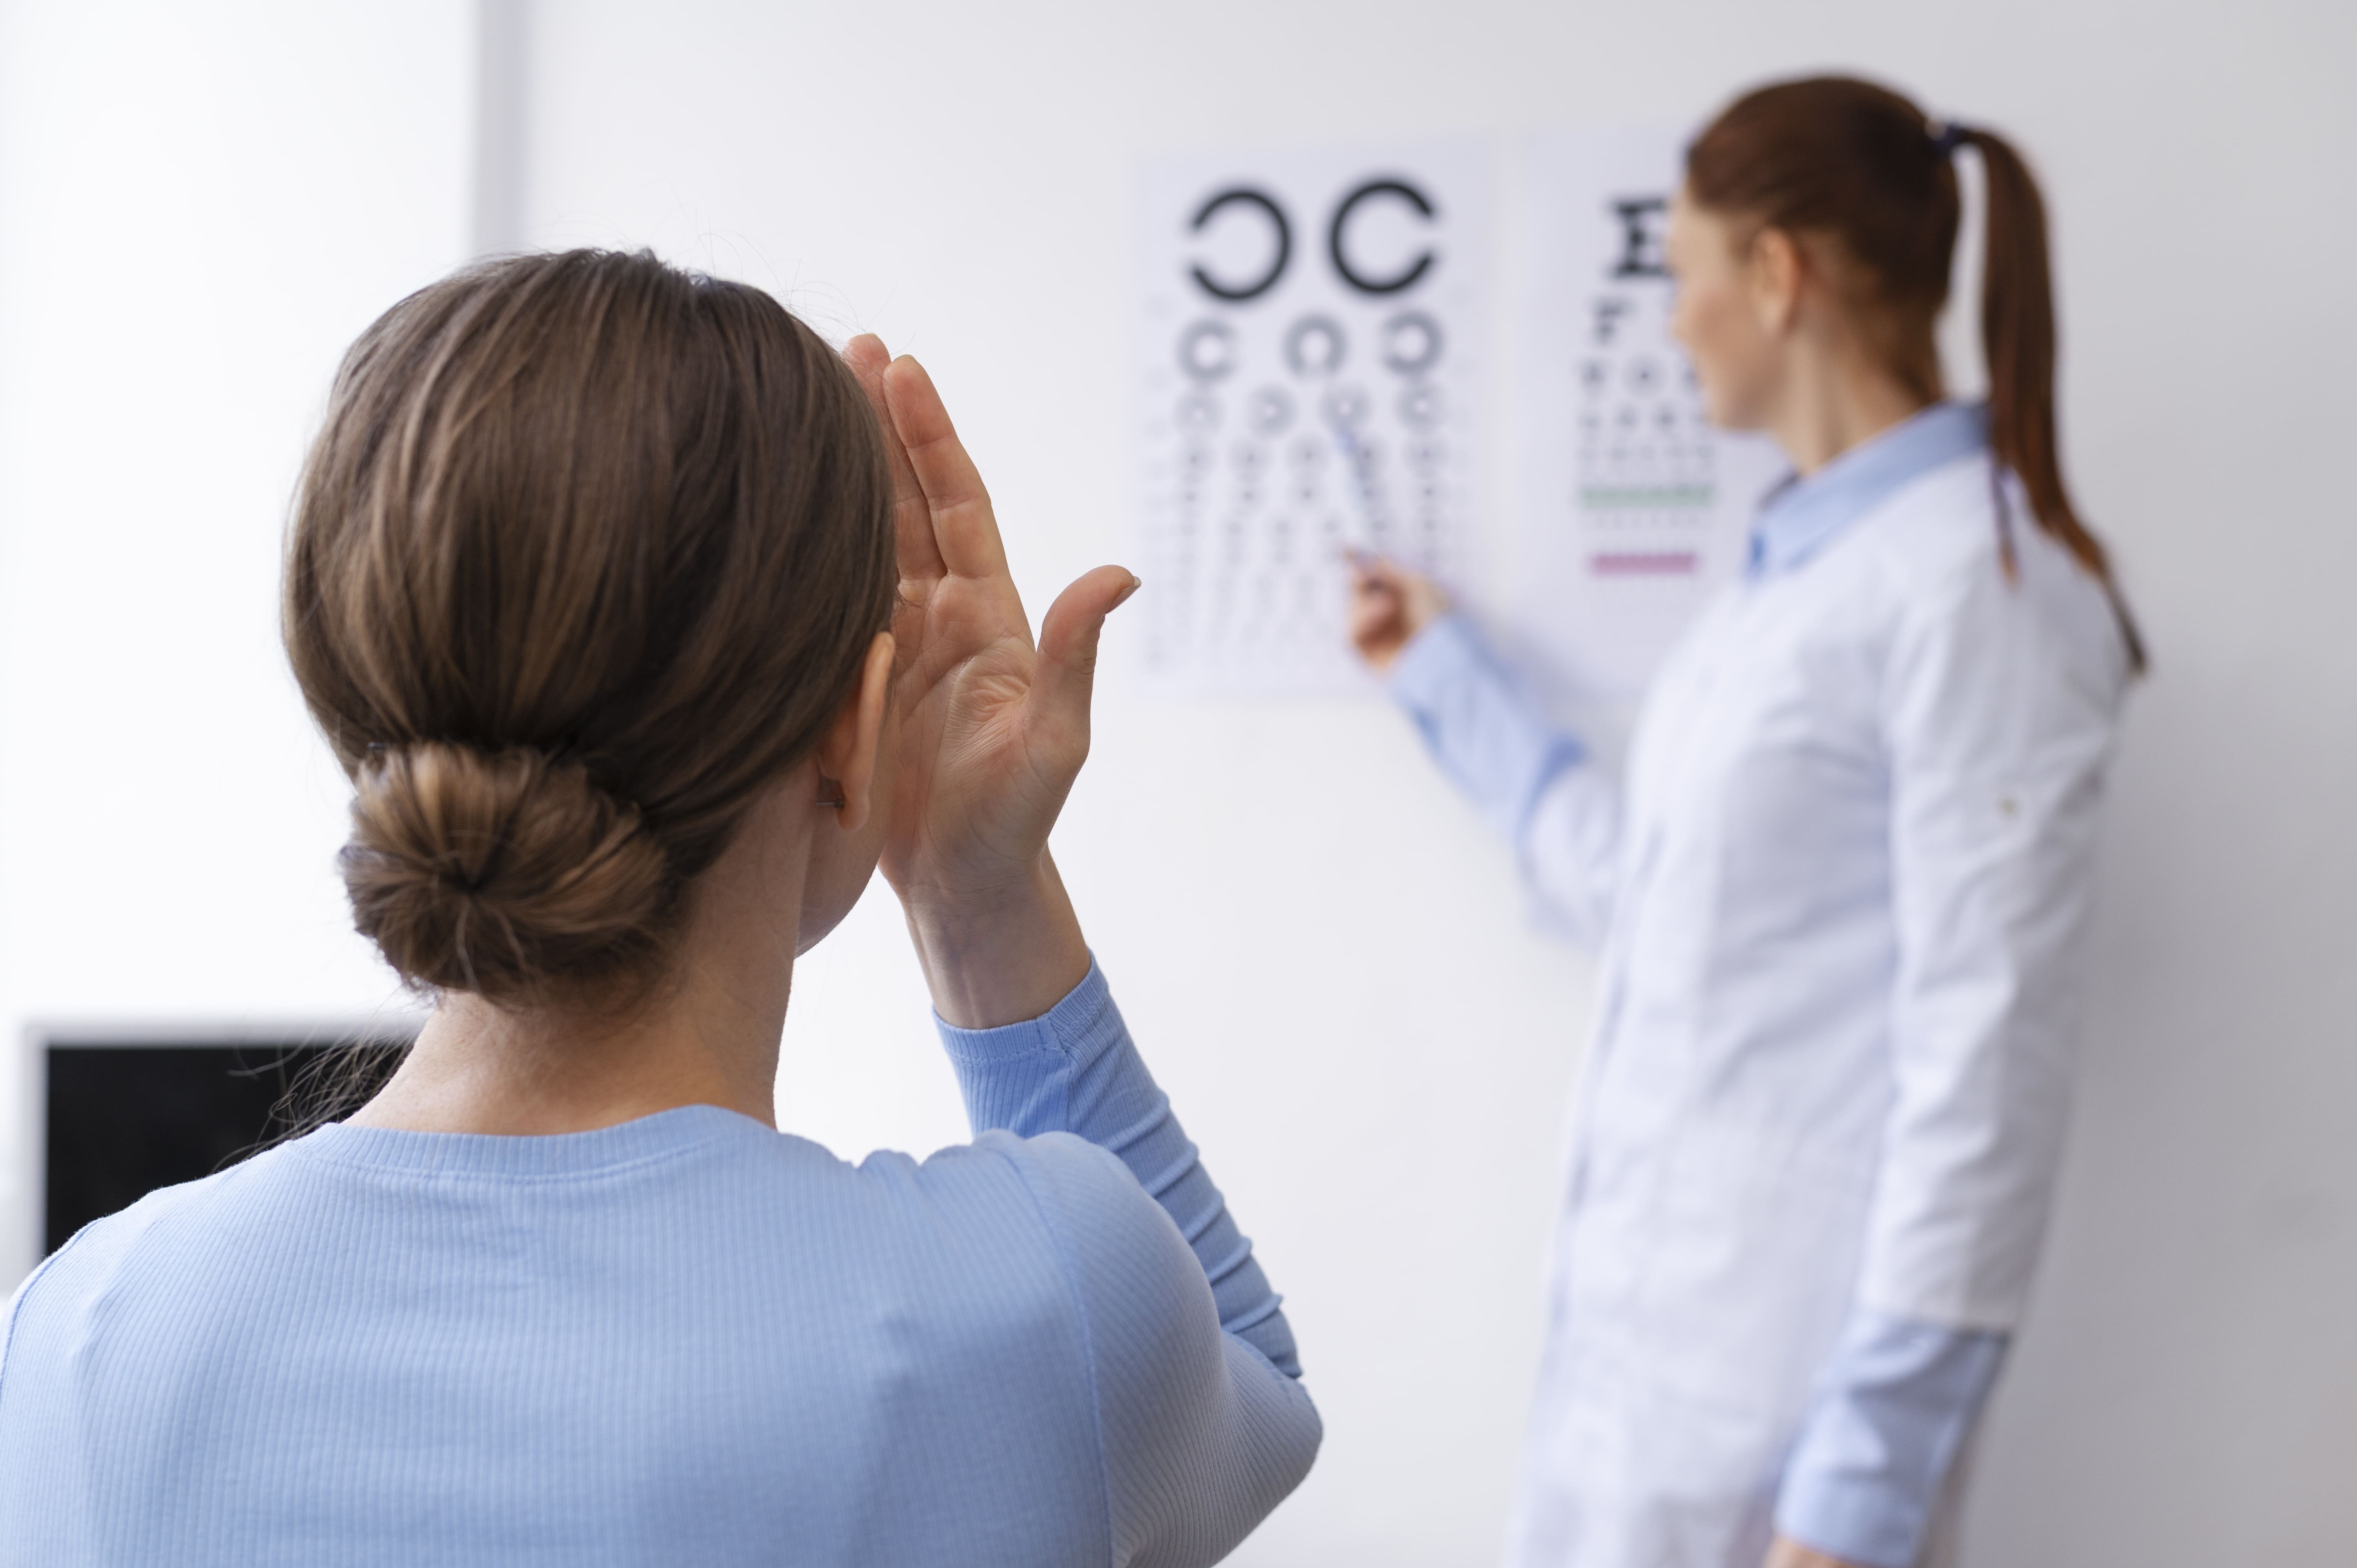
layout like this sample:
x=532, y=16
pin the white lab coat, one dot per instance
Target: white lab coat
x=1844, y=900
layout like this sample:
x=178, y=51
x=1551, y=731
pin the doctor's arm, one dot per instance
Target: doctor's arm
x=1536, y=785
x=1999, y=717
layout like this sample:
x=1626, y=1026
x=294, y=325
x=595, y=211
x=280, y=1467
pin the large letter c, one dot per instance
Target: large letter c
x=1342, y=267
x=1247, y=196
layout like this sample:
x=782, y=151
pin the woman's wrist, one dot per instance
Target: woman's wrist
x=998, y=954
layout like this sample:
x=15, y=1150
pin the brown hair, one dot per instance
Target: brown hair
x=1845, y=162
x=588, y=552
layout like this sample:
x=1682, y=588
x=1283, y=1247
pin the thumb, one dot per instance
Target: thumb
x=1067, y=670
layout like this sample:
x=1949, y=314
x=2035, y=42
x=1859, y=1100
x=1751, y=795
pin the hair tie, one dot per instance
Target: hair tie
x=1951, y=136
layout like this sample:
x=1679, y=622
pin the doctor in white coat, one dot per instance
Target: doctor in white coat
x=1842, y=893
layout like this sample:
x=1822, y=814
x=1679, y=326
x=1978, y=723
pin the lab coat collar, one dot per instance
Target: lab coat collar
x=1801, y=514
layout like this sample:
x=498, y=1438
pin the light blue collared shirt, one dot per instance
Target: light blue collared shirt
x=1897, y=1398
x=1801, y=515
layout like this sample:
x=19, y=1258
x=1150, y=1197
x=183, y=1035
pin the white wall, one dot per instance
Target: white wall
x=199, y=206
x=1320, y=949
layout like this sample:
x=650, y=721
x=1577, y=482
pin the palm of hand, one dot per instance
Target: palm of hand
x=976, y=788
x=991, y=729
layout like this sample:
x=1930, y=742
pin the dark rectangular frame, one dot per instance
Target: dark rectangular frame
x=268, y=1041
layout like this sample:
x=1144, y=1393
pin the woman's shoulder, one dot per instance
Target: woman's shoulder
x=1939, y=548
x=970, y=1251
x=1005, y=1222
x=1077, y=1186
x=1012, y=1196
x=1152, y=1323
x=1114, y=1237
x=107, y=1256
x=698, y=1184
x=105, y=1244
x=1937, y=528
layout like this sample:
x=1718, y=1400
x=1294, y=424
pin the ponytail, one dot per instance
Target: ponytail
x=1858, y=165
x=2017, y=338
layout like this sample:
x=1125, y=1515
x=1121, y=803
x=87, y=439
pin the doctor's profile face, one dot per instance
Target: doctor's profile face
x=1719, y=316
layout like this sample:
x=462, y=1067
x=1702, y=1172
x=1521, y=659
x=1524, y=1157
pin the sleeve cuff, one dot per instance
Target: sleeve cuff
x=1895, y=1405
x=1478, y=726
x=1434, y=660
x=1064, y=1029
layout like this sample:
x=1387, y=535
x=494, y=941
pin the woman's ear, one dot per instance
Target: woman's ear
x=847, y=756
x=1774, y=269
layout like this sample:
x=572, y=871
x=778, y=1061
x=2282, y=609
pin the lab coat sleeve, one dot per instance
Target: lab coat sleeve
x=2000, y=700
x=1534, y=783
x=1999, y=709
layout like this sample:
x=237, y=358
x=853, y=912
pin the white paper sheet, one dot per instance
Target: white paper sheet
x=1307, y=354
x=1632, y=508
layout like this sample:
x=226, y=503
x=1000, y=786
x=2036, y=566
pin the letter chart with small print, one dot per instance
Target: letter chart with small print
x=1632, y=508
x=1307, y=354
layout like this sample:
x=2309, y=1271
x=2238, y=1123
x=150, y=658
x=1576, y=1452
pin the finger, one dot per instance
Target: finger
x=1376, y=601
x=867, y=356
x=964, y=530
x=1371, y=584
x=1065, y=674
x=1375, y=621
x=913, y=522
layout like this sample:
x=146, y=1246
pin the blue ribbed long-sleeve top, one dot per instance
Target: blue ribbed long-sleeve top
x=687, y=1338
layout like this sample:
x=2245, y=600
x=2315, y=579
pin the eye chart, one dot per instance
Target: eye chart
x=1307, y=355
x=1632, y=508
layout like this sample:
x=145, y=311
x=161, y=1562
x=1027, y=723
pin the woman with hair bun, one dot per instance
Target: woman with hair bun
x=1841, y=896
x=646, y=627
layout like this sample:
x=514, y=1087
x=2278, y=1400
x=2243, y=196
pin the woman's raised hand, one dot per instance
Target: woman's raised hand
x=992, y=729
x=1389, y=605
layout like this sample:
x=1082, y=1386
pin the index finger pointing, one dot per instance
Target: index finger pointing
x=964, y=529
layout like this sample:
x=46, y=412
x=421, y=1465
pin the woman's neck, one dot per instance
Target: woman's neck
x=479, y=1068
x=1833, y=402
x=708, y=1036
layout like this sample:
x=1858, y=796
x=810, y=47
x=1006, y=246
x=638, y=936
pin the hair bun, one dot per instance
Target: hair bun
x=508, y=874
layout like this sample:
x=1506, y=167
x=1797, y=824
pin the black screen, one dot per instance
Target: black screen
x=124, y=1120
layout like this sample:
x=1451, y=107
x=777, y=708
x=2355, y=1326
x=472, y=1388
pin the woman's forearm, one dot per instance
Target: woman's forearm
x=998, y=955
